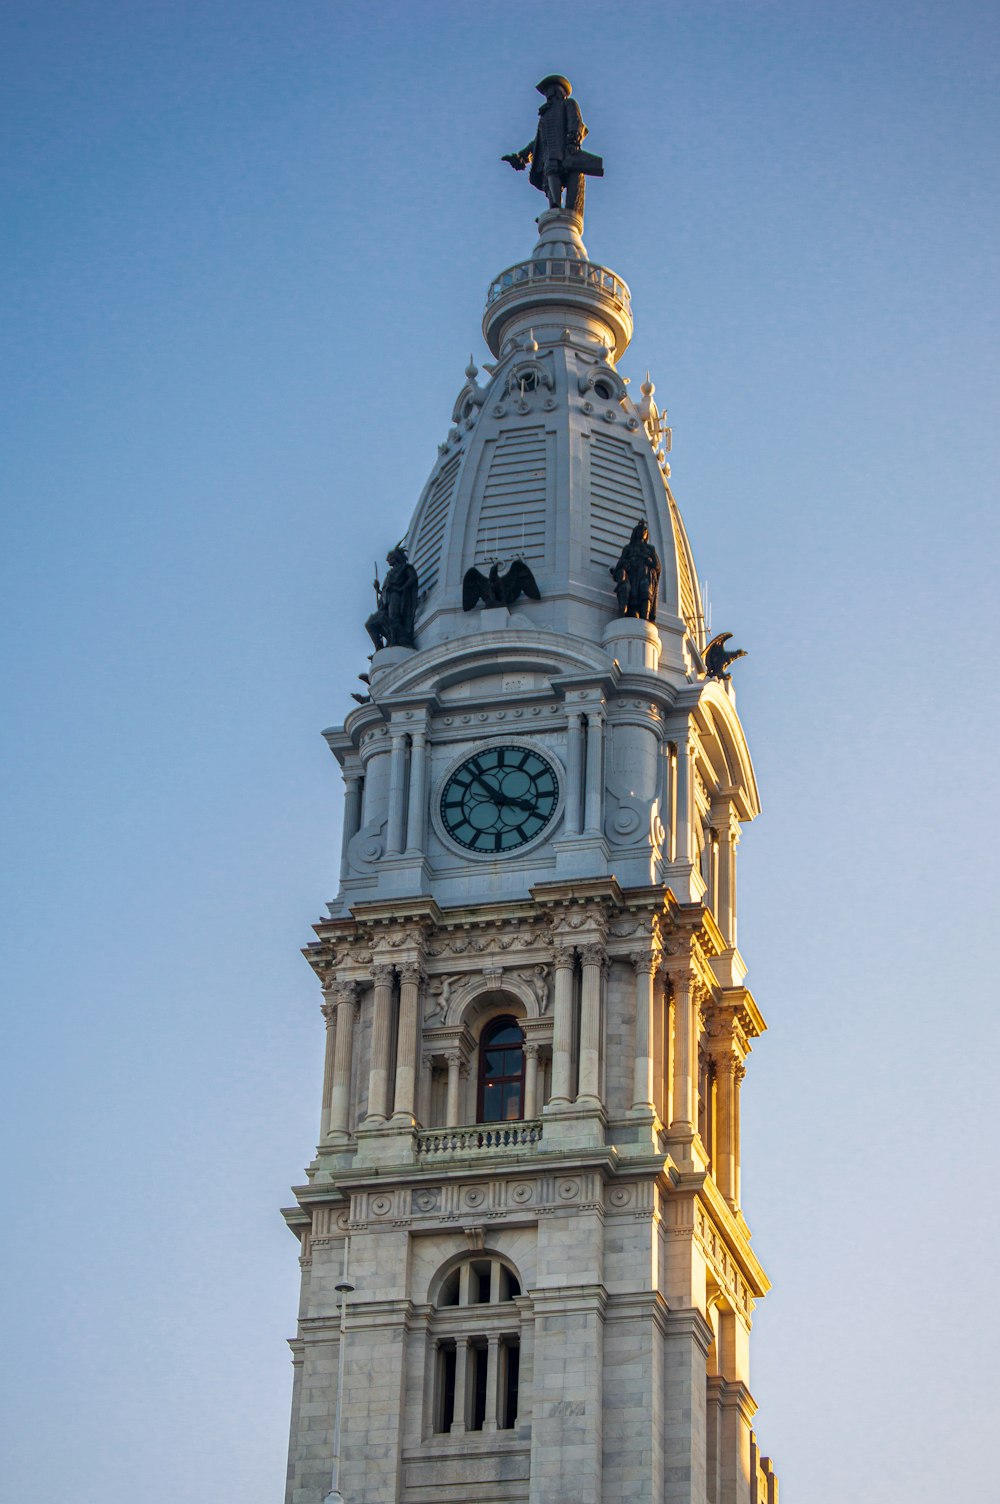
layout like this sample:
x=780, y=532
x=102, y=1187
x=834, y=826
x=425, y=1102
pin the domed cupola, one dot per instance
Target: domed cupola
x=551, y=463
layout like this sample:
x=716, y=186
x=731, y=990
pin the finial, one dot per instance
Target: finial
x=647, y=388
x=472, y=370
x=530, y=345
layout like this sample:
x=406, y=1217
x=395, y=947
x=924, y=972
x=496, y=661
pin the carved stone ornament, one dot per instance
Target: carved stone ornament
x=383, y=974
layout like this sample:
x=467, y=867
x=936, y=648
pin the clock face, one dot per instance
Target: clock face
x=499, y=799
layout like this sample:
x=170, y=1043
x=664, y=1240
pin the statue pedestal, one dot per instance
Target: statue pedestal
x=389, y=657
x=635, y=643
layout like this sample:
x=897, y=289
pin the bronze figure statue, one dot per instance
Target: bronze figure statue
x=637, y=576
x=391, y=623
x=496, y=589
x=717, y=659
x=558, y=161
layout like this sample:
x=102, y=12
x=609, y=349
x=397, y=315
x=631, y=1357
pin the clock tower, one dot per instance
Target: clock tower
x=526, y=1273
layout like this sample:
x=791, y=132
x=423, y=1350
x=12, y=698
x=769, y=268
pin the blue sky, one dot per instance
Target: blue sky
x=246, y=251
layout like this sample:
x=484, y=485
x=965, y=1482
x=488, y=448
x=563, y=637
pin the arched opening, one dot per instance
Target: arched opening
x=501, y=1071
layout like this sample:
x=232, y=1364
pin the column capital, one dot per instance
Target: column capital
x=593, y=953
x=531, y=1049
x=383, y=973
x=645, y=961
x=412, y=971
x=563, y=955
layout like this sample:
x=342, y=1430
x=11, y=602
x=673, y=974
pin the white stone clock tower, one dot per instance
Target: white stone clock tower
x=536, y=1017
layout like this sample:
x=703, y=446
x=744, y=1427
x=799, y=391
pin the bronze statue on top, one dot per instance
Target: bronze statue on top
x=637, y=576
x=557, y=160
x=391, y=623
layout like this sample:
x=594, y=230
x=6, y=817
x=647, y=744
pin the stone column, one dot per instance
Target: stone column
x=595, y=772
x=416, y=809
x=685, y=1054
x=723, y=1156
x=594, y=958
x=352, y=816
x=411, y=978
x=454, y=1068
x=378, y=1075
x=574, y=771
x=682, y=841
x=329, y=1011
x=343, y=1055
x=492, y=1366
x=397, y=795
x=740, y=1072
x=461, y=1374
x=645, y=963
x=562, y=1026
x=530, y=1080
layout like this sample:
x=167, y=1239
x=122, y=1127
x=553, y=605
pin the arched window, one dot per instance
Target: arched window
x=476, y=1348
x=501, y=1072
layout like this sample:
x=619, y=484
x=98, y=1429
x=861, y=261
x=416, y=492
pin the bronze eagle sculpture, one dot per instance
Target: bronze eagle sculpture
x=717, y=659
x=494, y=589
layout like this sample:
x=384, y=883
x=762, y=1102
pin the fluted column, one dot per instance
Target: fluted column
x=397, y=795
x=329, y=1011
x=411, y=977
x=738, y=1076
x=594, y=959
x=645, y=963
x=724, y=1155
x=595, y=772
x=454, y=1075
x=562, y=1026
x=415, y=814
x=352, y=816
x=378, y=1075
x=343, y=1055
x=574, y=771
x=685, y=1105
x=530, y=1079
x=682, y=842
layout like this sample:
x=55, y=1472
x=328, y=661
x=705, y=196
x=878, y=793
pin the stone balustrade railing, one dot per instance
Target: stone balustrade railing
x=495, y=1138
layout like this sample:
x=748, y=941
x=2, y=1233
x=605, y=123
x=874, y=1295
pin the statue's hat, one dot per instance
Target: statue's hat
x=554, y=78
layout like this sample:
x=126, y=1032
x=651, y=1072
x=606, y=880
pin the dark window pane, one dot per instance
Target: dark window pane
x=446, y=1390
x=512, y=1365
x=479, y=1356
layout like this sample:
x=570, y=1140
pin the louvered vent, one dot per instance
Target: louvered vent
x=690, y=604
x=512, y=515
x=426, y=552
x=616, y=498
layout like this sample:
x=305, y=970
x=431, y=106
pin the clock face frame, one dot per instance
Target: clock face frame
x=501, y=799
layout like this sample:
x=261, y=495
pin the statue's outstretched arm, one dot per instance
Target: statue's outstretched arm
x=519, y=159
